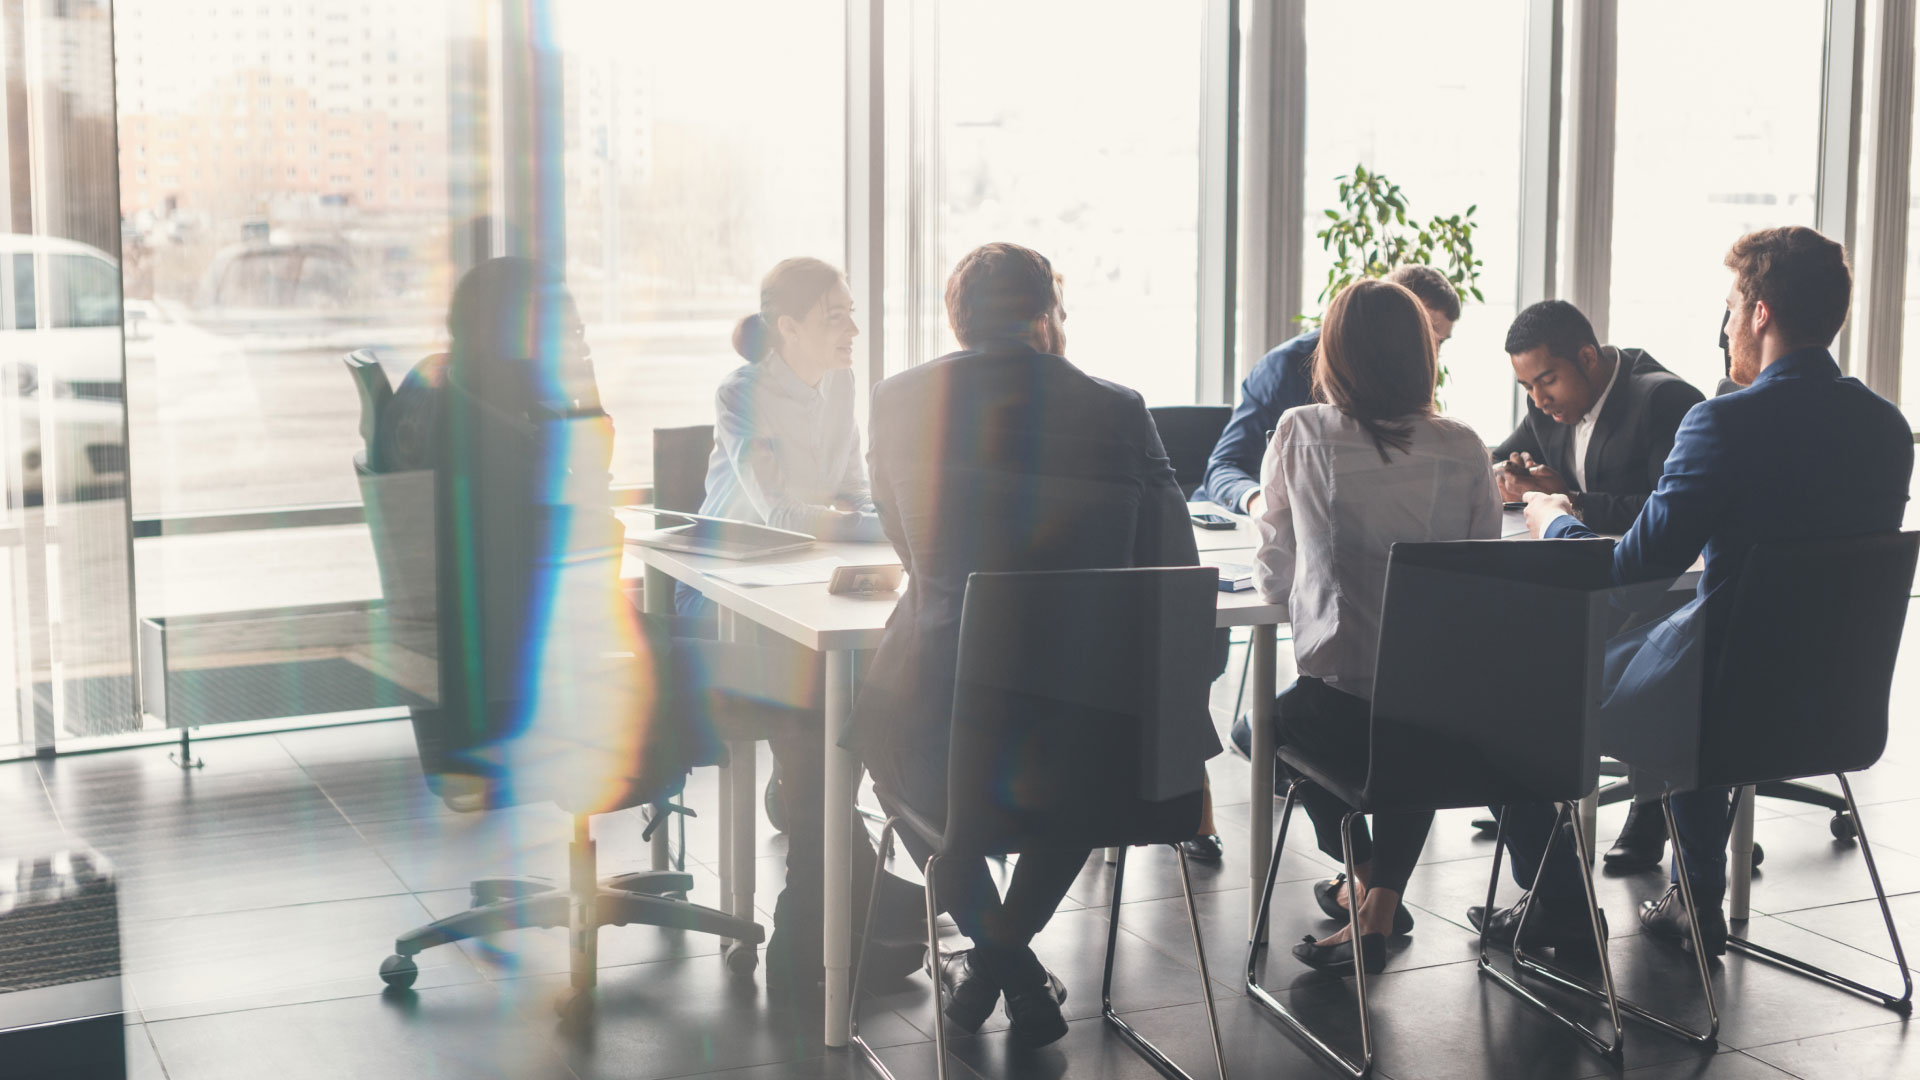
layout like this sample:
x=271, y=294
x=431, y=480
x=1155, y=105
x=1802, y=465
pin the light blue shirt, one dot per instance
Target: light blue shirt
x=786, y=454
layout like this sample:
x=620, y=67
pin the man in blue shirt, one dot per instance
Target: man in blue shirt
x=1752, y=466
x=1284, y=378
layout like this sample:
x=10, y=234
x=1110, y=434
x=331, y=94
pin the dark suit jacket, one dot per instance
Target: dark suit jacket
x=1629, y=445
x=1001, y=460
x=1282, y=380
x=1802, y=453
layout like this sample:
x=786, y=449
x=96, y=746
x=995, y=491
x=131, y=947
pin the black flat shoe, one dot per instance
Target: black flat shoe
x=1034, y=1014
x=1338, y=959
x=1206, y=849
x=1642, y=843
x=970, y=995
x=1327, y=893
x=1666, y=919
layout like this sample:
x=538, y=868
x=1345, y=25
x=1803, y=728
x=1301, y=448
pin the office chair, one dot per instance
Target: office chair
x=370, y=379
x=1189, y=433
x=1073, y=699
x=459, y=758
x=1789, y=701
x=1444, y=737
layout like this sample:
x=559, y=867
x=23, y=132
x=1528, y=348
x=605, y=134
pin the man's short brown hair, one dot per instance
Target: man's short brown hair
x=1430, y=287
x=1802, y=277
x=996, y=292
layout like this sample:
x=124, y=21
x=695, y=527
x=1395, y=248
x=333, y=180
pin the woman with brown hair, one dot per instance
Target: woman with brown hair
x=1369, y=466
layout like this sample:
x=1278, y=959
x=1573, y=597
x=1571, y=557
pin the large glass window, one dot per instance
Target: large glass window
x=704, y=143
x=1089, y=155
x=1710, y=143
x=1432, y=101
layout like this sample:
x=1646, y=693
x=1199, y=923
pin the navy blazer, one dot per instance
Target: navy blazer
x=1801, y=454
x=1282, y=380
x=1002, y=460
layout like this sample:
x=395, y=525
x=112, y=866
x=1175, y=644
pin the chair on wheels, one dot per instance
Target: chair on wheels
x=461, y=765
x=1189, y=432
x=1444, y=736
x=1072, y=693
x=1791, y=699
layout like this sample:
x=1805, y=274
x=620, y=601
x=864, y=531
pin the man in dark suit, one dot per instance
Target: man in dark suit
x=1599, y=422
x=1000, y=457
x=1748, y=467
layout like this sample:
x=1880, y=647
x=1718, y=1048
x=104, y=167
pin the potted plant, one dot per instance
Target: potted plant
x=1369, y=235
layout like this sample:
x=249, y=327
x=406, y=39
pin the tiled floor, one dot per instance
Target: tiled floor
x=259, y=895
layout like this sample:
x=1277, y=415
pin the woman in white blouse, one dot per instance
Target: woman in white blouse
x=1344, y=481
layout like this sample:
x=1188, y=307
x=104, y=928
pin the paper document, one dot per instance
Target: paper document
x=810, y=572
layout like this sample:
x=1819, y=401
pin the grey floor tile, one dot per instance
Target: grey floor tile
x=276, y=956
x=1884, y=1050
x=143, y=1062
x=263, y=870
x=432, y=854
x=469, y=1031
x=1730, y=1065
x=1861, y=925
x=384, y=740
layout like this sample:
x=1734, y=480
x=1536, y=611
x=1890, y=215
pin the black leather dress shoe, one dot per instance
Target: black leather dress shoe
x=1666, y=919
x=1642, y=843
x=1206, y=849
x=1327, y=893
x=1566, y=932
x=1034, y=1013
x=969, y=993
x=1338, y=959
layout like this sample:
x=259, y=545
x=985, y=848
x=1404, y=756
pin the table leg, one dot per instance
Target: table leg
x=656, y=598
x=1589, y=811
x=741, y=824
x=843, y=781
x=1740, y=864
x=1260, y=797
x=726, y=833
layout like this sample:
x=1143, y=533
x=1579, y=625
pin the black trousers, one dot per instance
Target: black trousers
x=1002, y=927
x=1328, y=725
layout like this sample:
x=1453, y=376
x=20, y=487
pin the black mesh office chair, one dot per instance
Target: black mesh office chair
x=458, y=757
x=1793, y=698
x=1072, y=693
x=1189, y=433
x=680, y=457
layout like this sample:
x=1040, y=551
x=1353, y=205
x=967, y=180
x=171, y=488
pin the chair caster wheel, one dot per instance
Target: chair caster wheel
x=399, y=971
x=774, y=801
x=741, y=959
x=1759, y=856
x=1842, y=827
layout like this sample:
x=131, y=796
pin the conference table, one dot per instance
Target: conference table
x=840, y=627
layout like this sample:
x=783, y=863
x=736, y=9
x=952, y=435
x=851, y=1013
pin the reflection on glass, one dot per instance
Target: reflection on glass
x=1711, y=143
x=1432, y=100
x=704, y=143
x=1089, y=155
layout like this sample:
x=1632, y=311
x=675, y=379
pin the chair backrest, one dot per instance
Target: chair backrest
x=375, y=392
x=1805, y=670
x=1189, y=433
x=1080, y=709
x=680, y=466
x=1489, y=673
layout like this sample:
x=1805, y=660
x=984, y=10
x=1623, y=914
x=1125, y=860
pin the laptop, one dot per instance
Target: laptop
x=721, y=538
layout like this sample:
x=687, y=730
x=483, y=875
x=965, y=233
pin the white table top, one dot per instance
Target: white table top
x=813, y=617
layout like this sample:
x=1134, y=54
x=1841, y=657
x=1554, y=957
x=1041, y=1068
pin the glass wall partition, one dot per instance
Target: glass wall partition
x=66, y=654
x=1710, y=143
x=1432, y=101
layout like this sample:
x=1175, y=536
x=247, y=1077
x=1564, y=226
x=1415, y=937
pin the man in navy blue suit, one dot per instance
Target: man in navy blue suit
x=1756, y=465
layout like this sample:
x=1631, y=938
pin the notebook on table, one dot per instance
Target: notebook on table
x=722, y=538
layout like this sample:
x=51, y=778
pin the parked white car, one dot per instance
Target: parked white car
x=60, y=352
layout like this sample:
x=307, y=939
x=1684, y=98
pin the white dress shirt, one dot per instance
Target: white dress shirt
x=1583, y=429
x=1333, y=511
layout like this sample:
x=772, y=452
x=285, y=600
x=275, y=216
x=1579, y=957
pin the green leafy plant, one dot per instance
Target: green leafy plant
x=1370, y=234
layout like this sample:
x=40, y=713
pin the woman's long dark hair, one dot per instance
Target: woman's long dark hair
x=1376, y=361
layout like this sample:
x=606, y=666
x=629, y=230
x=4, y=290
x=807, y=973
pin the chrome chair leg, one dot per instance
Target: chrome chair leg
x=1605, y=992
x=1163, y=1064
x=860, y=961
x=1264, y=998
x=1902, y=1004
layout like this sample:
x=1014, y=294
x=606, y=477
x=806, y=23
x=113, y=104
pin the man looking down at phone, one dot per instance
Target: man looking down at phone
x=1747, y=467
x=1600, y=421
